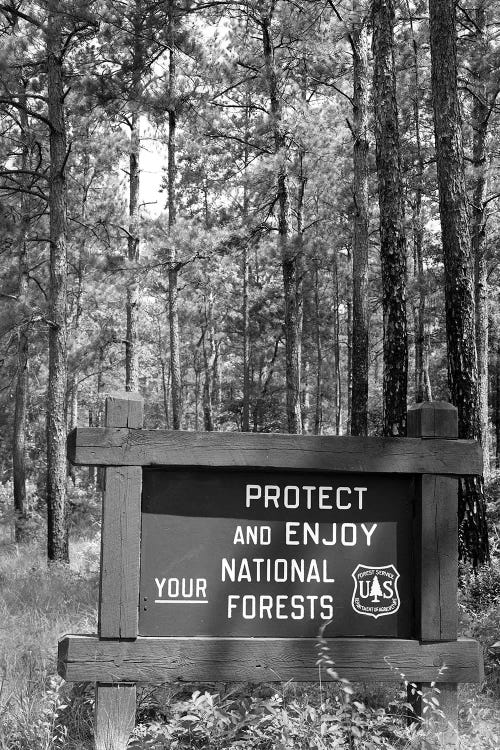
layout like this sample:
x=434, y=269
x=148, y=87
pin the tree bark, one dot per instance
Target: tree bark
x=459, y=293
x=173, y=268
x=209, y=361
x=392, y=237
x=245, y=272
x=336, y=348
x=480, y=118
x=133, y=293
x=22, y=379
x=208, y=366
x=57, y=522
x=421, y=355
x=359, y=364
x=289, y=250
x=131, y=343
x=497, y=402
x=92, y=469
x=318, y=410
x=73, y=419
x=245, y=418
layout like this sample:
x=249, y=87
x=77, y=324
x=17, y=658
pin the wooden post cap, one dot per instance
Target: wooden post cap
x=124, y=409
x=433, y=419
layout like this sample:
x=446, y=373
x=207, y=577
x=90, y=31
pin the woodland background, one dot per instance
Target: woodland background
x=261, y=215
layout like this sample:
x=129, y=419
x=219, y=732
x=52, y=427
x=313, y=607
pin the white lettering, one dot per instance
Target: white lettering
x=289, y=503
x=324, y=494
x=289, y=532
x=360, y=491
x=308, y=490
x=254, y=492
x=228, y=568
x=271, y=492
x=231, y=605
x=345, y=541
x=368, y=532
x=340, y=506
x=160, y=585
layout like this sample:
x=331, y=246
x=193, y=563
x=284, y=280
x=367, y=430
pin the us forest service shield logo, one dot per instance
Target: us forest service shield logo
x=375, y=590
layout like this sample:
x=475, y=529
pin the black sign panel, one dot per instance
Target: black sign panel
x=276, y=554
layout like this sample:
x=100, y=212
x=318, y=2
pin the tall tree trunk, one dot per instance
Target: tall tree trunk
x=421, y=356
x=57, y=522
x=480, y=117
x=359, y=364
x=197, y=375
x=318, y=410
x=208, y=416
x=245, y=273
x=133, y=294
x=497, y=402
x=131, y=343
x=392, y=237
x=245, y=419
x=73, y=418
x=459, y=292
x=336, y=347
x=209, y=361
x=173, y=267
x=289, y=250
x=92, y=469
x=21, y=395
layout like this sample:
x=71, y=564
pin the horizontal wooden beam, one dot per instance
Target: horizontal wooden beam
x=86, y=658
x=94, y=446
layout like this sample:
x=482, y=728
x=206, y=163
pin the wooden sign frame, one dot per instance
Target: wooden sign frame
x=117, y=657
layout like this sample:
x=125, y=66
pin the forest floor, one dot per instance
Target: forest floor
x=38, y=711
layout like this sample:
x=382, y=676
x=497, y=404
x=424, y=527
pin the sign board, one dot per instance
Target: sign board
x=223, y=554
x=276, y=554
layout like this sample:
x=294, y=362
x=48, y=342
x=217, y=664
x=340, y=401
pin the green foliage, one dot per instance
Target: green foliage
x=226, y=721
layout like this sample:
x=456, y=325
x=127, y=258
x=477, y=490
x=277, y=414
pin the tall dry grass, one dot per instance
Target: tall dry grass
x=39, y=603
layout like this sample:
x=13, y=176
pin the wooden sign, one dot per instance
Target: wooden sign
x=276, y=554
x=224, y=553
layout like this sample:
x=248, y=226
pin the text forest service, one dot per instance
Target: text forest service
x=223, y=555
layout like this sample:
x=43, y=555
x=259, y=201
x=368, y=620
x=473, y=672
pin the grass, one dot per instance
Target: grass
x=39, y=712
x=38, y=605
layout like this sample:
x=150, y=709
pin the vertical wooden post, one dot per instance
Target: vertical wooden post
x=437, y=562
x=119, y=581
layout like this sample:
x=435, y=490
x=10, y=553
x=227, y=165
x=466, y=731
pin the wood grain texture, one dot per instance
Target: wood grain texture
x=121, y=532
x=437, y=561
x=264, y=659
x=122, y=447
x=439, y=558
x=120, y=553
x=114, y=716
x=432, y=419
x=124, y=409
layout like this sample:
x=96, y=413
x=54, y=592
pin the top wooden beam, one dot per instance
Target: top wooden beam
x=134, y=447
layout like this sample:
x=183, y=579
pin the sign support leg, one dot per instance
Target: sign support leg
x=437, y=563
x=119, y=583
x=114, y=715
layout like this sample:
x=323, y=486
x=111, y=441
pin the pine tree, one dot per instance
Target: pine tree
x=375, y=590
x=459, y=293
x=392, y=236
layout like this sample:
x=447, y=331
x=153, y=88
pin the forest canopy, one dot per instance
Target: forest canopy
x=262, y=215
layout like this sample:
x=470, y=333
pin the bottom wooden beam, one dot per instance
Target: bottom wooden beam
x=114, y=716
x=154, y=660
